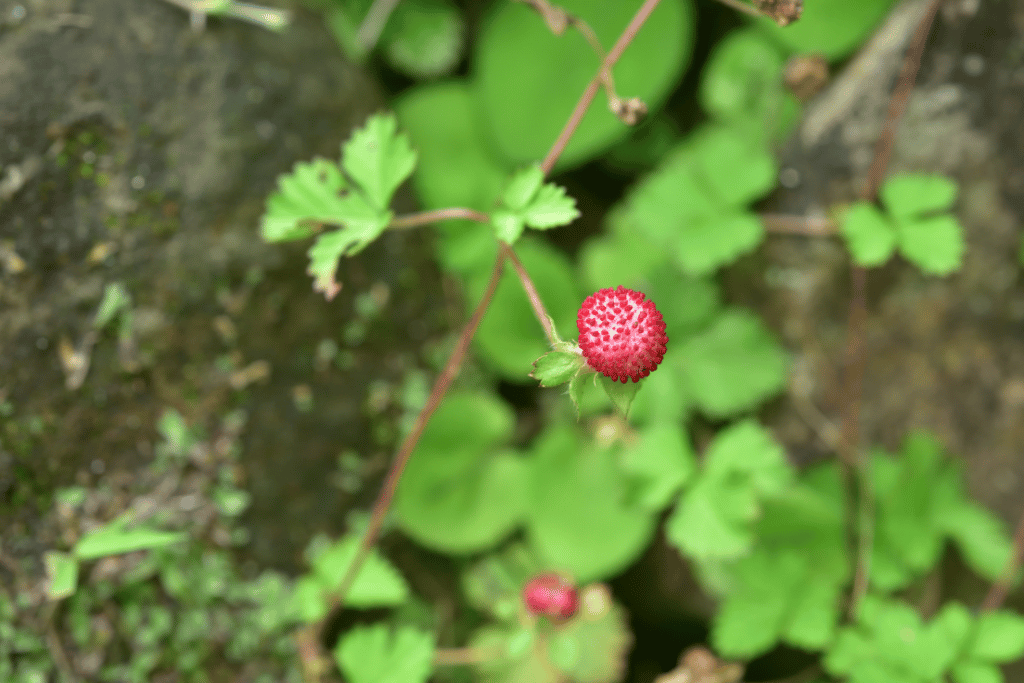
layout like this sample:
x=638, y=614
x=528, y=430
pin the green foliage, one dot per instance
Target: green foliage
x=529, y=80
x=119, y=537
x=693, y=205
x=376, y=160
x=832, y=27
x=592, y=528
x=461, y=491
x=789, y=587
x=528, y=201
x=61, y=575
x=890, y=642
x=373, y=654
x=378, y=584
x=920, y=504
x=934, y=243
x=715, y=517
x=742, y=85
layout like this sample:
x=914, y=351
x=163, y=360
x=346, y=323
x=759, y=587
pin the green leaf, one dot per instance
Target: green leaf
x=61, y=575
x=999, y=637
x=705, y=245
x=980, y=535
x=424, y=38
x=310, y=193
x=522, y=188
x=529, y=80
x=609, y=260
x=362, y=227
x=510, y=338
x=910, y=195
x=870, y=238
x=736, y=170
x=115, y=300
x=750, y=620
x=733, y=365
x=662, y=462
x=373, y=654
x=594, y=645
x=520, y=660
x=114, y=539
x=742, y=84
x=935, y=245
x=976, y=672
x=459, y=492
x=378, y=159
x=832, y=27
x=814, y=614
x=557, y=367
x=748, y=448
x=378, y=583
x=551, y=208
x=590, y=528
x=703, y=528
x=508, y=226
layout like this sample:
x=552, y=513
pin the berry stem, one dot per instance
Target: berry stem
x=415, y=220
x=531, y=293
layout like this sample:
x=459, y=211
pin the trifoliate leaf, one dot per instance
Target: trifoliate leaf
x=310, y=193
x=911, y=195
x=378, y=159
x=373, y=654
x=935, y=245
x=550, y=208
x=461, y=492
x=522, y=188
x=662, y=462
x=999, y=637
x=748, y=448
x=703, y=528
x=424, y=38
x=557, y=367
x=733, y=365
x=589, y=529
x=609, y=260
x=736, y=169
x=870, y=238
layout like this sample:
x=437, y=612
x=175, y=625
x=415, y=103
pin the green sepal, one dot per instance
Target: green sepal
x=622, y=395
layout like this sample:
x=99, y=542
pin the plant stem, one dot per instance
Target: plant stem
x=588, y=95
x=1001, y=588
x=782, y=224
x=441, y=385
x=531, y=293
x=461, y=656
x=374, y=22
x=855, y=357
x=415, y=220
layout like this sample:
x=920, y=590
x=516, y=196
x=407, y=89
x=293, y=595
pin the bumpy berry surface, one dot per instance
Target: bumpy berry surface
x=551, y=595
x=622, y=334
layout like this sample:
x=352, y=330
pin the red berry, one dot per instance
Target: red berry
x=622, y=334
x=551, y=595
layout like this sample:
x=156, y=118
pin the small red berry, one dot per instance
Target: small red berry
x=551, y=595
x=622, y=334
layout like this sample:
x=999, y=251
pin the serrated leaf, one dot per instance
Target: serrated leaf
x=935, y=245
x=461, y=492
x=424, y=38
x=733, y=365
x=750, y=619
x=373, y=654
x=999, y=637
x=980, y=535
x=703, y=529
x=870, y=238
x=589, y=529
x=910, y=195
x=557, y=367
x=114, y=539
x=378, y=583
x=550, y=208
x=310, y=193
x=378, y=159
x=522, y=188
x=61, y=575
